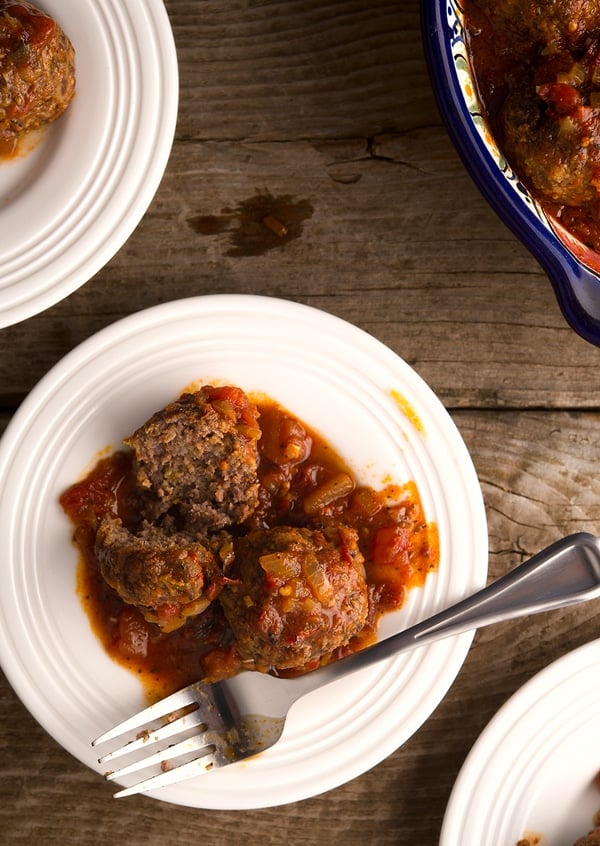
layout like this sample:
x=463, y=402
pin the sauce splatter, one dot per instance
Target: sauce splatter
x=407, y=410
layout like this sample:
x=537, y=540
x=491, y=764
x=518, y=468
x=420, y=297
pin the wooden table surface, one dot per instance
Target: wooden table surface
x=321, y=113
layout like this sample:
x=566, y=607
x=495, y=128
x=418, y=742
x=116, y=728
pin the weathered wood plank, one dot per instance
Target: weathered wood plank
x=377, y=240
x=276, y=71
x=328, y=105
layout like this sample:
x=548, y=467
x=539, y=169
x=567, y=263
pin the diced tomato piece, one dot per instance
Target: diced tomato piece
x=133, y=633
x=563, y=98
x=284, y=439
x=389, y=542
x=89, y=500
x=244, y=409
x=220, y=664
x=392, y=581
x=587, y=118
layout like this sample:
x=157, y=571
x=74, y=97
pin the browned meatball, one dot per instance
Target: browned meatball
x=37, y=69
x=166, y=576
x=555, y=147
x=591, y=839
x=549, y=22
x=197, y=459
x=301, y=594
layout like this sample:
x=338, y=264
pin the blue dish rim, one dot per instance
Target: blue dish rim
x=576, y=287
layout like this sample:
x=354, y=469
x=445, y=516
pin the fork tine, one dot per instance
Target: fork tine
x=191, y=744
x=198, y=766
x=212, y=732
x=176, y=701
x=149, y=738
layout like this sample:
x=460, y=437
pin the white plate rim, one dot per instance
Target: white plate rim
x=519, y=751
x=60, y=229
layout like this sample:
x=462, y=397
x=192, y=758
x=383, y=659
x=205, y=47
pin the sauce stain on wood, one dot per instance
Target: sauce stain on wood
x=208, y=224
x=256, y=225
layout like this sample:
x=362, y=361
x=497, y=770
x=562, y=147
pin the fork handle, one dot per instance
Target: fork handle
x=565, y=573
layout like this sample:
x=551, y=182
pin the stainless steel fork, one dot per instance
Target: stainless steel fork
x=205, y=726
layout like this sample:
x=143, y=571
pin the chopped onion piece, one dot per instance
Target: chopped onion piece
x=314, y=571
x=367, y=501
x=293, y=452
x=251, y=432
x=279, y=565
x=574, y=76
x=225, y=409
x=567, y=126
x=333, y=489
x=170, y=624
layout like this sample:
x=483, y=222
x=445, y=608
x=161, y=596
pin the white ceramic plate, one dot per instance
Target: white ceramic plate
x=341, y=382
x=533, y=768
x=69, y=204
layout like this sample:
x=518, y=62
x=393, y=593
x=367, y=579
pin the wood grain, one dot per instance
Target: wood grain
x=321, y=114
x=399, y=241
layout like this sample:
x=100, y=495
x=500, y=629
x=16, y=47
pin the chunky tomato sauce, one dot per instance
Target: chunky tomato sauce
x=303, y=482
x=566, y=78
x=28, y=25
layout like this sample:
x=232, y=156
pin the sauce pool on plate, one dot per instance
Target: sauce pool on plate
x=303, y=484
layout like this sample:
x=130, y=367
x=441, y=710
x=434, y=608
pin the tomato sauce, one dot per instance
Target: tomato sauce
x=563, y=75
x=28, y=26
x=303, y=482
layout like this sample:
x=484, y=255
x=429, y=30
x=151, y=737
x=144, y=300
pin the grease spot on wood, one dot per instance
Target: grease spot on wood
x=208, y=224
x=261, y=223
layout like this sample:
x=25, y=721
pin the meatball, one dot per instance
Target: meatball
x=591, y=839
x=196, y=460
x=37, y=69
x=555, y=151
x=299, y=595
x=168, y=577
x=547, y=22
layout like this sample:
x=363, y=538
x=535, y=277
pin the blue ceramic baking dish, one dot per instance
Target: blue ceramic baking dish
x=572, y=268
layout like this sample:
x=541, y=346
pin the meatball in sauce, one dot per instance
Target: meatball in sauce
x=166, y=576
x=196, y=460
x=296, y=595
x=537, y=71
x=229, y=536
x=545, y=22
x=37, y=71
